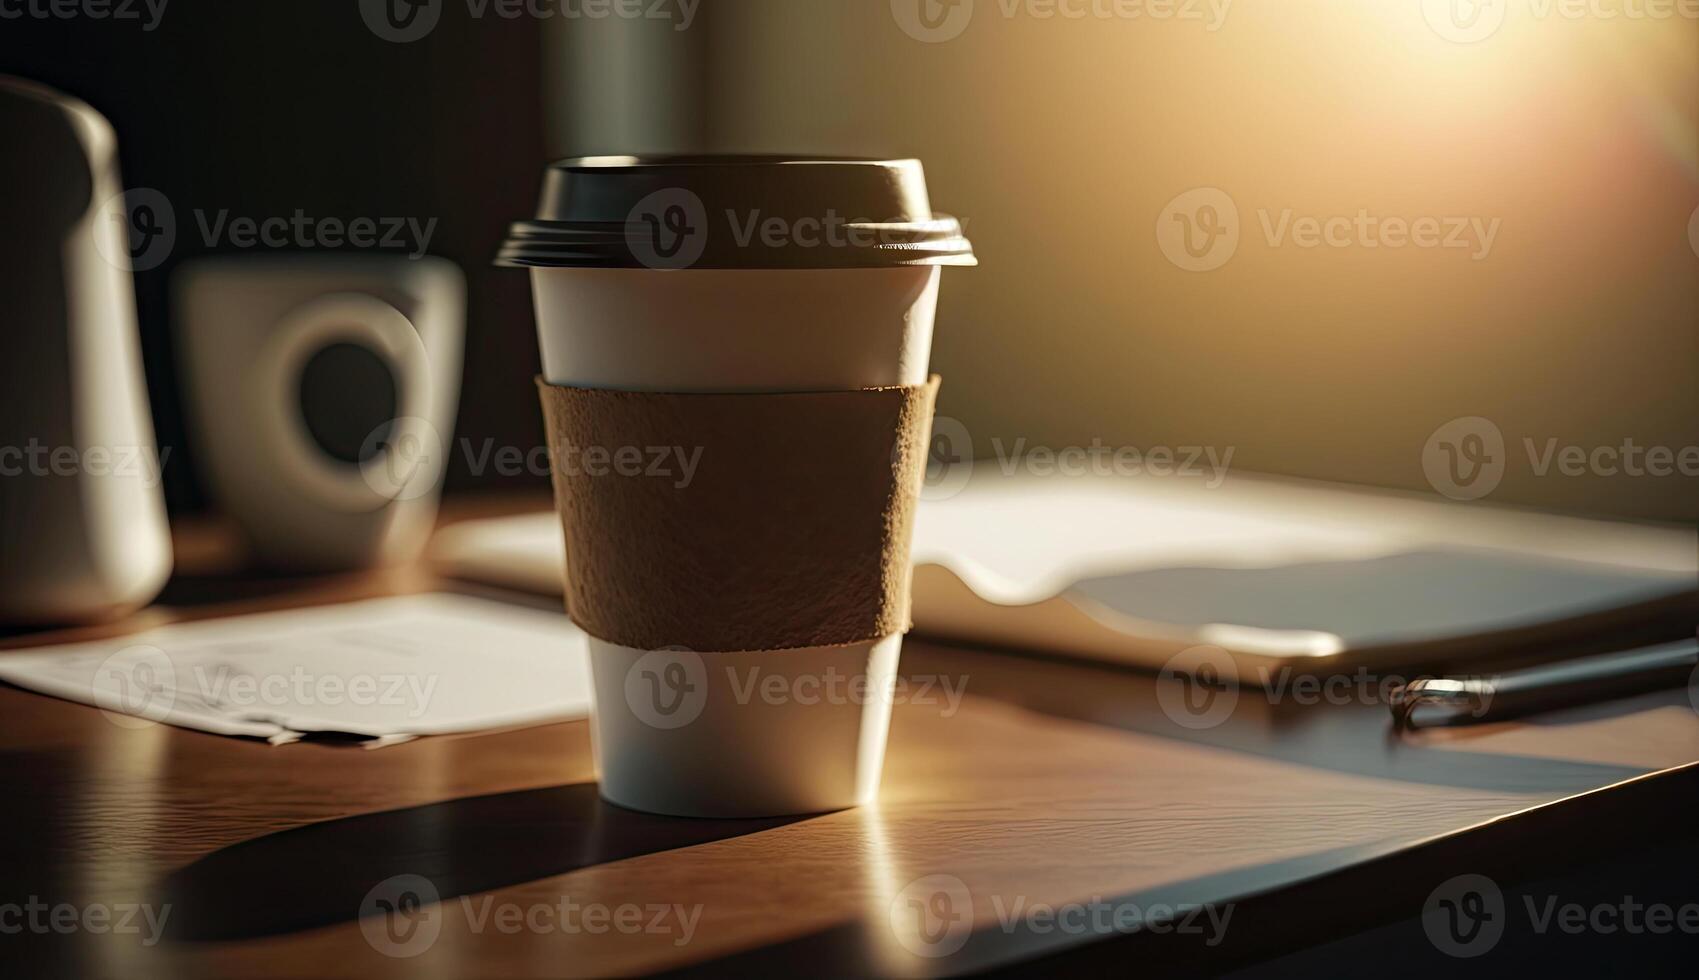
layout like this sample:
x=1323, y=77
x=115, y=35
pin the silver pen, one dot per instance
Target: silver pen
x=1462, y=701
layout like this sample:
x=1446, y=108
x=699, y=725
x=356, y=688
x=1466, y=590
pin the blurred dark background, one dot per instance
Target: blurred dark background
x=1061, y=141
x=263, y=109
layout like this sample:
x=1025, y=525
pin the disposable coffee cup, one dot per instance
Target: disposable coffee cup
x=729, y=275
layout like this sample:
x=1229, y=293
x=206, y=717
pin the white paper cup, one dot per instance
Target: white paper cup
x=730, y=733
x=736, y=329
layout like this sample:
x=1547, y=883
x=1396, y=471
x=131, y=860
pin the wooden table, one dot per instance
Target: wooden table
x=1055, y=784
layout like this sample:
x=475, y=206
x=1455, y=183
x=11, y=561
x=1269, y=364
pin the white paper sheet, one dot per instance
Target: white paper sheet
x=387, y=669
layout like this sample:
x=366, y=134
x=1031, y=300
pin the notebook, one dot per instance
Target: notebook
x=1279, y=573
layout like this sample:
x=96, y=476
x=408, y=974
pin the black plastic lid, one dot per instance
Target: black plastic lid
x=734, y=212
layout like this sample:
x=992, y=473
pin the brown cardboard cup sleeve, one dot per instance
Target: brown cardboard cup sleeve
x=738, y=522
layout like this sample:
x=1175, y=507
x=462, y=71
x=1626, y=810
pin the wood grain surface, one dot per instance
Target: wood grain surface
x=1049, y=783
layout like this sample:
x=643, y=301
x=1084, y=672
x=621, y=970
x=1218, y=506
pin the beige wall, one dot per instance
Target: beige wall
x=1062, y=141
